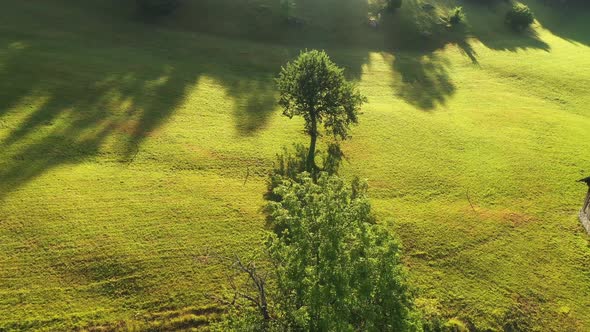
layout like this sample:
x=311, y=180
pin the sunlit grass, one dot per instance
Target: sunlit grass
x=130, y=154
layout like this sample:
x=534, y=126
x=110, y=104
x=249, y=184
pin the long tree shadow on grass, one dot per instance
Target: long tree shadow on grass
x=487, y=24
x=62, y=102
x=421, y=73
x=256, y=99
x=69, y=114
x=513, y=41
x=566, y=20
x=423, y=80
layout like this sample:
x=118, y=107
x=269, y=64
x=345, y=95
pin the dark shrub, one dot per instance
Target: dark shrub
x=457, y=16
x=393, y=5
x=157, y=7
x=520, y=17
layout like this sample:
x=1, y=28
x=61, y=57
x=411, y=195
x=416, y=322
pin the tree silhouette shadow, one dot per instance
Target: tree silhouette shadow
x=487, y=24
x=72, y=117
x=423, y=80
x=513, y=41
x=254, y=102
x=468, y=50
x=421, y=73
x=568, y=21
x=62, y=103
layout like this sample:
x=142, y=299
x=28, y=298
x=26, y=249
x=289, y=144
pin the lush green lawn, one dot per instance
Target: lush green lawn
x=131, y=154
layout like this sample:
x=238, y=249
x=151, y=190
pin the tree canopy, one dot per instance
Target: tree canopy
x=337, y=270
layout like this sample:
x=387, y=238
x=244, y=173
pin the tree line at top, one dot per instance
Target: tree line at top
x=518, y=17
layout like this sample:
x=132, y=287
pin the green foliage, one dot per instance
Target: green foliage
x=455, y=325
x=315, y=88
x=520, y=17
x=244, y=319
x=456, y=16
x=290, y=163
x=157, y=7
x=337, y=270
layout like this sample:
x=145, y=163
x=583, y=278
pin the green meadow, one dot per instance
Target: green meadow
x=133, y=152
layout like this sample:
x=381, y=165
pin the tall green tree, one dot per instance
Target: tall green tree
x=315, y=88
x=336, y=269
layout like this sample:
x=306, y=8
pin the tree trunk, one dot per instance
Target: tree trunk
x=264, y=304
x=311, y=156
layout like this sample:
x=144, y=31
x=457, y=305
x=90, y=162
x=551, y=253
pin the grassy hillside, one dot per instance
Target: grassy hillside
x=133, y=152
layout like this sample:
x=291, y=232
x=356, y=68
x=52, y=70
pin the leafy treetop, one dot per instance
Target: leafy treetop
x=337, y=269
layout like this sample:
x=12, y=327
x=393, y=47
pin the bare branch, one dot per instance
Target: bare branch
x=469, y=199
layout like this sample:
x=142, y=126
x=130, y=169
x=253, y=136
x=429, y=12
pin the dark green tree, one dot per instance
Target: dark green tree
x=336, y=269
x=315, y=88
x=520, y=17
x=393, y=5
x=456, y=16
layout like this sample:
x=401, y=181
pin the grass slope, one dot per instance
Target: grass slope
x=129, y=154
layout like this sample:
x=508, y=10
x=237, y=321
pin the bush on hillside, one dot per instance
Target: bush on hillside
x=457, y=16
x=520, y=17
x=393, y=5
x=157, y=7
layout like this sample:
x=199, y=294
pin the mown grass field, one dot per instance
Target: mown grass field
x=132, y=152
